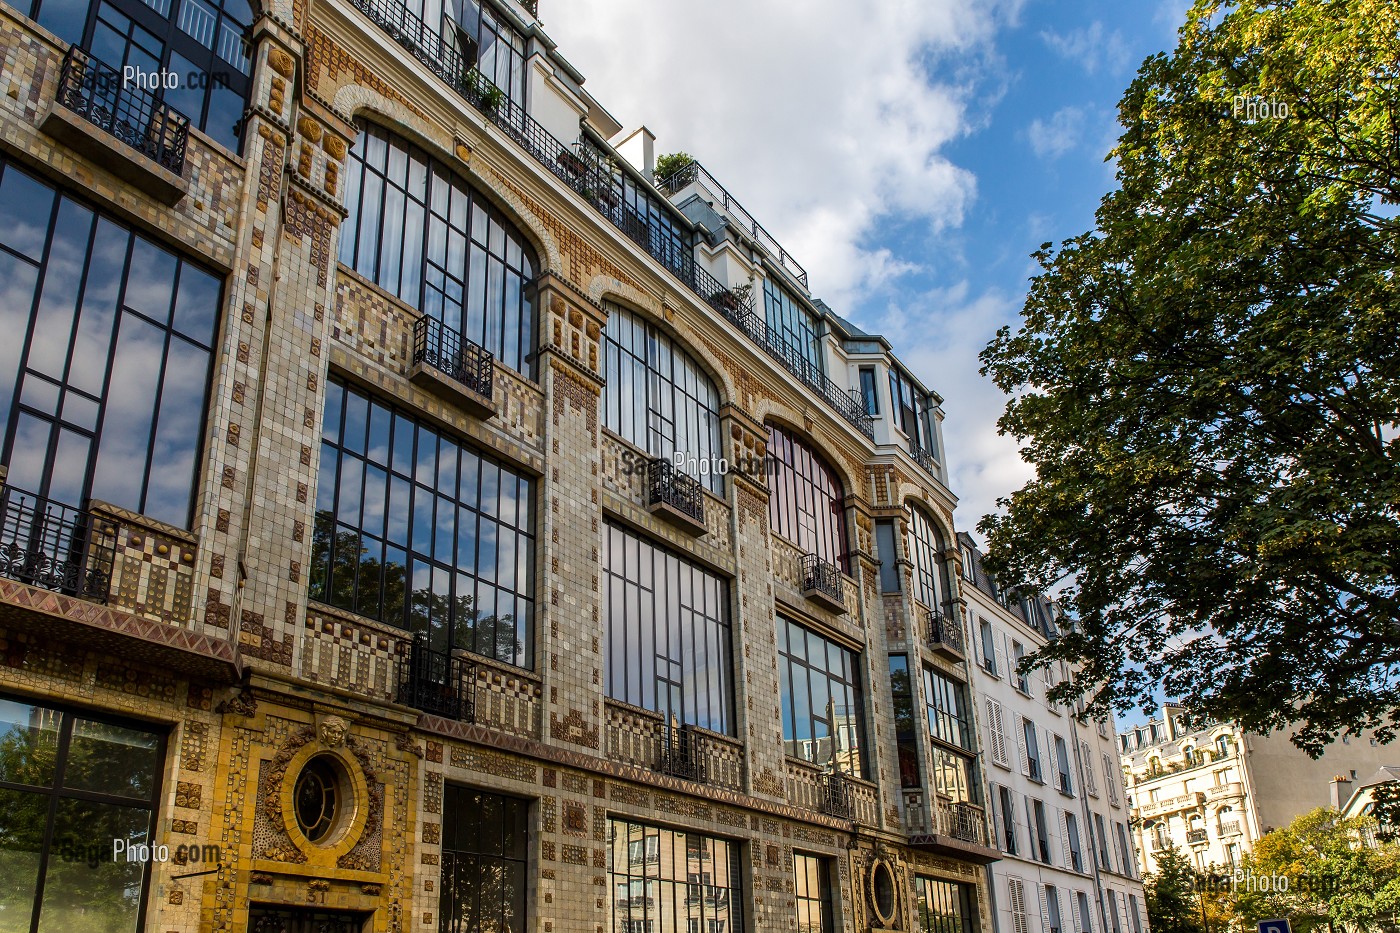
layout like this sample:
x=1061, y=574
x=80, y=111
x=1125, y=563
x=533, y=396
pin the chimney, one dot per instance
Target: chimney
x=1341, y=791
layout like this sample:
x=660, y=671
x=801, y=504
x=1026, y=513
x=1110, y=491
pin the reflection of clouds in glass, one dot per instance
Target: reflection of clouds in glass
x=177, y=434
x=149, y=281
x=25, y=208
x=30, y=450
x=130, y=409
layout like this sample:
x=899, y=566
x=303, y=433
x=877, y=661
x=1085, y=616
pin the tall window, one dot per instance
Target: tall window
x=889, y=559
x=485, y=842
x=481, y=38
x=1042, y=831
x=105, y=359
x=904, y=721
x=823, y=707
x=813, y=877
x=868, y=397
x=1076, y=852
x=71, y=785
x=1052, y=908
x=944, y=906
x=202, y=42
x=794, y=326
x=422, y=532
x=950, y=721
x=1030, y=751
x=1004, y=818
x=668, y=637
x=989, y=654
x=1062, y=760
x=420, y=232
x=806, y=501
x=667, y=881
x=1086, y=918
x=913, y=410
x=925, y=550
x=659, y=398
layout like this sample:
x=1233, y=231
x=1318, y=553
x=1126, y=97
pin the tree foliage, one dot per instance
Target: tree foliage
x=1208, y=383
x=1173, y=904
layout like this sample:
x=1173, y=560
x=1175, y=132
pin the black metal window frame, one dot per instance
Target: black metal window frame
x=84, y=848
x=669, y=644
x=396, y=490
x=806, y=501
x=485, y=838
x=905, y=722
x=97, y=332
x=482, y=37
x=944, y=906
x=868, y=393
x=703, y=876
x=949, y=710
x=657, y=396
x=1004, y=818
x=422, y=233
x=203, y=42
x=812, y=874
x=889, y=559
x=912, y=409
x=925, y=553
x=818, y=674
x=794, y=325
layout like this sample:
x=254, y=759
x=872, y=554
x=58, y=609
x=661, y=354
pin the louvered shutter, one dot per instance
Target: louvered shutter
x=1044, y=909
x=1087, y=758
x=1034, y=850
x=1017, y=892
x=996, y=725
x=1021, y=744
x=1064, y=842
x=1109, y=778
x=1074, y=911
x=994, y=807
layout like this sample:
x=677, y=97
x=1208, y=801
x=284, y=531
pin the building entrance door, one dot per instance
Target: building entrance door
x=267, y=919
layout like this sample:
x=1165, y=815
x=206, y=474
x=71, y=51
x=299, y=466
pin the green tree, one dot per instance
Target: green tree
x=1173, y=902
x=1385, y=799
x=1333, y=880
x=1207, y=383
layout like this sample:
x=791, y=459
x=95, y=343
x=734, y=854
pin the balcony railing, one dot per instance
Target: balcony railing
x=945, y=631
x=434, y=681
x=96, y=92
x=836, y=798
x=577, y=165
x=1196, y=837
x=1063, y=784
x=962, y=821
x=53, y=546
x=821, y=580
x=923, y=458
x=679, y=755
x=451, y=354
x=1231, y=828
x=673, y=490
x=694, y=173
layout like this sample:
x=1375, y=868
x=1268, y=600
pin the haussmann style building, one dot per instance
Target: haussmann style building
x=417, y=516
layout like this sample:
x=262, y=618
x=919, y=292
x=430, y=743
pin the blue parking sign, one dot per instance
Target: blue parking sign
x=1274, y=926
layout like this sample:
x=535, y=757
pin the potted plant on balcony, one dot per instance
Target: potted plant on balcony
x=488, y=97
x=674, y=171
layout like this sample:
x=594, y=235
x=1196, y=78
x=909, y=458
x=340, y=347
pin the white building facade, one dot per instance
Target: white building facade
x=1054, y=789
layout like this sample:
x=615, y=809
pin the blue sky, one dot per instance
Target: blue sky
x=910, y=153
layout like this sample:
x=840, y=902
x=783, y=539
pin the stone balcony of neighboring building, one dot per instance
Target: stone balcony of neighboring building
x=644, y=739
x=108, y=579
x=1172, y=804
x=1231, y=828
x=1227, y=791
x=1197, y=837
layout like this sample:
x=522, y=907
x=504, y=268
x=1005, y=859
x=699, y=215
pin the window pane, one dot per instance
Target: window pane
x=103, y=898
x=112, y=759
x=28, y=744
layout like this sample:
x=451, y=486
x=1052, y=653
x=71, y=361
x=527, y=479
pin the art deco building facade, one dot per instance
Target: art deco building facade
x=365, y=562
x=1211, y=790
x=1055, y=793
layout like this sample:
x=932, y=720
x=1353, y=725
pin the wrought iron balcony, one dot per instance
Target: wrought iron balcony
x=822, y=583
x=945, y=634
x=1230, y=828
x=446, y=362
x=679, y=754
x=54, y=546
x=694, y=173
x=964, y=822
x=675, y=495
x=435, y=682
x=96, y=92
x=1063, y=785
x=836, y=799
x=1196, y=837
x=923, y=458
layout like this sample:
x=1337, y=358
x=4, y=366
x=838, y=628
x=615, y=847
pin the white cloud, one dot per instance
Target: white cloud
x=1061, y=133
x=822, y=123
x=1090, y=47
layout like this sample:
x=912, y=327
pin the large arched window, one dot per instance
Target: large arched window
x=659, y=398
x=418, y=231
x=805, y=503
x=200, y=42
x=925, y=548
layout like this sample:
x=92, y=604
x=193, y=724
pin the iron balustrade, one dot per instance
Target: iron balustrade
x=96, y=92
x=574, y=165
x=54, y=546
x=694, y=172
x=679, y=754
x=823, y=576
x=435, y=682
x=945, y=630
x=1196, y=837
x=964, y=822
x=453, y=355
x=836, y=797
x=923, y=458
x=667, y=485
x=1064, y=786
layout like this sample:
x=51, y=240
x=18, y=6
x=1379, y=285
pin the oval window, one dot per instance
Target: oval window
x=882, y=887
x=316, y=798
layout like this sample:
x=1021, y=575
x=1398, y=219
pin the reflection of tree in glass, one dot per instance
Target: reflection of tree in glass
x=349, y=576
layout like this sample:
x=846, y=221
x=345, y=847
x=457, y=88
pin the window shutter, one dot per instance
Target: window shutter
x=1109, y=778
x=1014, y=822
x=1034, y=850
x=1064, y=842
x=1074, y=911
x=994, y=807
x=1021, y=743
x=1003, y=653
x=1044, y=910
x=1017, y=891
x=1088, y=758
x=996, y=725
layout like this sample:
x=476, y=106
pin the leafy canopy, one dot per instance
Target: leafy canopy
x=1208, y=383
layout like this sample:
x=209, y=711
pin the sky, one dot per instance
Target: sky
x=911, y=154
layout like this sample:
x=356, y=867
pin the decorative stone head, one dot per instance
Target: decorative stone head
x=332, y=731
